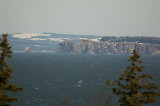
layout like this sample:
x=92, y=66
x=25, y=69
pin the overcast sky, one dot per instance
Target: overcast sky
x=95, y=17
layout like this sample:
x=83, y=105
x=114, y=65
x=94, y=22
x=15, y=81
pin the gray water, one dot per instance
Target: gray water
x=49, y=78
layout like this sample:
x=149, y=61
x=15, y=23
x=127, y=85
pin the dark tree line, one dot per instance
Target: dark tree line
x=151, y=40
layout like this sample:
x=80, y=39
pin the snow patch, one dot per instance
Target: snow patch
x=29, y=35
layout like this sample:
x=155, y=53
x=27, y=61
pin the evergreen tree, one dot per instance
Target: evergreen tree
x=134, y=86
x=5, y=73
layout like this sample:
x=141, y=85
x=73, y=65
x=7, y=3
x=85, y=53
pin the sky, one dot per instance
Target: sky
x=81, y=17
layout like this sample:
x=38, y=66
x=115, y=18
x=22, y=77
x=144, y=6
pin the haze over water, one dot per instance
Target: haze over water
x=48, y=78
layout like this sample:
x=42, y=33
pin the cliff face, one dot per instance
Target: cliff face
x=66, y=47
x=92, y=47
x=88, y=46
x=112, y=45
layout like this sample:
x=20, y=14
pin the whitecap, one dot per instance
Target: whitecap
x=79, y=85
x=80, y=81
x=36, y=88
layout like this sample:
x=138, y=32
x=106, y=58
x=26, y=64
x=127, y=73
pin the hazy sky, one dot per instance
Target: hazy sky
x=96, y=17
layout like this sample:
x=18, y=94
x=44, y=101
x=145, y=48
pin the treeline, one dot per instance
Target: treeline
x=151, y=40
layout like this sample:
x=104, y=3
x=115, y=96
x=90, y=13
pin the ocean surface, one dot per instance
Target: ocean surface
x=49, y=79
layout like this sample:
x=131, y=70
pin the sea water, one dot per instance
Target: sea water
x=49, y=78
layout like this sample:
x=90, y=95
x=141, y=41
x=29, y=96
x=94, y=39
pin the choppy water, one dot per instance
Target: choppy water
x=49, y=78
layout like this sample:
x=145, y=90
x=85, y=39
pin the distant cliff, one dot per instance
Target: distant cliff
x=92, y=47
x=114, y=45
x=66, y=47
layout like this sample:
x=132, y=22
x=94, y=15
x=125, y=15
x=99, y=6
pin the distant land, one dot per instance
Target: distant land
x=40, y=42
x=83, y=44
x=113, y=45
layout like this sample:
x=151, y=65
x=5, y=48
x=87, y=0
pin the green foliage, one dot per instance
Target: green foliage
x=5, y=73
x=133, y=85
